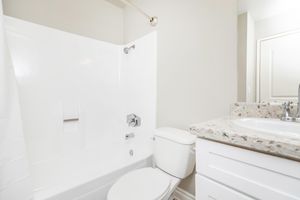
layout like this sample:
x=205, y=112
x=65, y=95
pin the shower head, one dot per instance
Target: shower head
x=127, y=49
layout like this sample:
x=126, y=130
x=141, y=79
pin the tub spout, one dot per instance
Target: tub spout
x=129, y=135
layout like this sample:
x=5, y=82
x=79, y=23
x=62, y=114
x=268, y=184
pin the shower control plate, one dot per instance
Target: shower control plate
x=133, y=120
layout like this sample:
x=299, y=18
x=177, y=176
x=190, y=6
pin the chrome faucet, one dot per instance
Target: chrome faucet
x=129, y=135
x=286, y=115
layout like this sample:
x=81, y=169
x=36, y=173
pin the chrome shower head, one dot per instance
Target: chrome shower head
x=127, y=49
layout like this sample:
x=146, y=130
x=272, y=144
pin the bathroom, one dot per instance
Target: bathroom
x=144, y=100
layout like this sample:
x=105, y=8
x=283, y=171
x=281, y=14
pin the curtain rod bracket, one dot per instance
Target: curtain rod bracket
x=153, y=21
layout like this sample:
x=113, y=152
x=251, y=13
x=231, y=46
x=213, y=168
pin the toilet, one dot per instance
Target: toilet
x=174, y=158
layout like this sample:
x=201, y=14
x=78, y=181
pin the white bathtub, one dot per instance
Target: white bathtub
x=87, y=175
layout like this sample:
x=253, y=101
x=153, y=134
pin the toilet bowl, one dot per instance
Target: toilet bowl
x=144, y=184
x=174, y=158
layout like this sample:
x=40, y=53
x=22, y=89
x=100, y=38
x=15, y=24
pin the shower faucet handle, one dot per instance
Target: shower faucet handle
x=133, y=120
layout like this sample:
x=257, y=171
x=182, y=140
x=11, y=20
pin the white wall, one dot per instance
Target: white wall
x=242, y=56
x=246, y=58
x=196, y=58
x=94, y=18
x=251, y=60
x=63, y=76
x=138, y=86
x=277, y=24
x=15, y=181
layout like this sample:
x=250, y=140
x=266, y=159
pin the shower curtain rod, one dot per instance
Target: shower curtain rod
x=152, y=20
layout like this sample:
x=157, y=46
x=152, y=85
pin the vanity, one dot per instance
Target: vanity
x=249, y=155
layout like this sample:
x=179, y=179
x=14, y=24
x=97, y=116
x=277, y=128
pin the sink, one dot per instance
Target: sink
x=270, y=126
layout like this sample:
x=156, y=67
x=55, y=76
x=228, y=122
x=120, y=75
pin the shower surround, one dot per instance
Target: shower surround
x=75, y=93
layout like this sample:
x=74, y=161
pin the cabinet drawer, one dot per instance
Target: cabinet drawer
x=255, y=174
x=207, y=189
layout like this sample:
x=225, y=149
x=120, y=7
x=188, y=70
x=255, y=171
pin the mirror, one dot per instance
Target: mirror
x=268, y=50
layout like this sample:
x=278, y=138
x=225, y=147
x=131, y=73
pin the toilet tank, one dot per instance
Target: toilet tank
x=174, y=151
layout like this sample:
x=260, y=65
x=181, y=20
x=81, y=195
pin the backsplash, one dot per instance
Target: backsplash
x=262, y=110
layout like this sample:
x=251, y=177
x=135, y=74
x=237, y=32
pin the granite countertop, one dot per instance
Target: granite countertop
x=224, y=131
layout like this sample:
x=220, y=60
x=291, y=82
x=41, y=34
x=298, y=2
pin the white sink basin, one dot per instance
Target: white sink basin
x=270, y=126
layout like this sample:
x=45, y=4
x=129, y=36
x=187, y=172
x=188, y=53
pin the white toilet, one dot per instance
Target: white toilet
x=174, y=158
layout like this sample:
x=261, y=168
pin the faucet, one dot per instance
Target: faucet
x=129, y=135
x=286, y=115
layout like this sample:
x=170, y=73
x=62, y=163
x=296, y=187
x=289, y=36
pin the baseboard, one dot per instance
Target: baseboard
x=181, y=194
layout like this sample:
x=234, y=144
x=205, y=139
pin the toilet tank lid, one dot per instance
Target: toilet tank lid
x=176, y=135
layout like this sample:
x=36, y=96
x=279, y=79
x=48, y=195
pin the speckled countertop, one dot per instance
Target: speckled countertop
x=223, y=130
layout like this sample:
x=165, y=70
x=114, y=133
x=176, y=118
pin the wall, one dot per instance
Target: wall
x=276, y=25
x=138, y=86
x=66, y=77
x=246, y=58
x=251, y=60
x=196, y=58
x=242, y=56
x=15, y=181
x=93, y=18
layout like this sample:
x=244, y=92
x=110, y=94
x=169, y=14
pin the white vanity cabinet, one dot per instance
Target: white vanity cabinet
x=230, y=173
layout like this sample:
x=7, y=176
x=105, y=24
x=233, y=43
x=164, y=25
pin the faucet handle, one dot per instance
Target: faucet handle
x=286, y=106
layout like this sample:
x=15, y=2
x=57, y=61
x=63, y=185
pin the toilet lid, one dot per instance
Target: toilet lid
x=141, y=184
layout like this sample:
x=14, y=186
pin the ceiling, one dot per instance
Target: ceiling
x=259, y=9
x=118, y=3
x=262, y=9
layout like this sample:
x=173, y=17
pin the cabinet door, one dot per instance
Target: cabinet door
x=258, y=175
x=207, y=189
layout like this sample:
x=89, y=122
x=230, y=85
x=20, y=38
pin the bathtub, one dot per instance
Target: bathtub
x=87, y=174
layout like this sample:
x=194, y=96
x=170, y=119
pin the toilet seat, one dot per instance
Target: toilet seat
x=140, y=184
